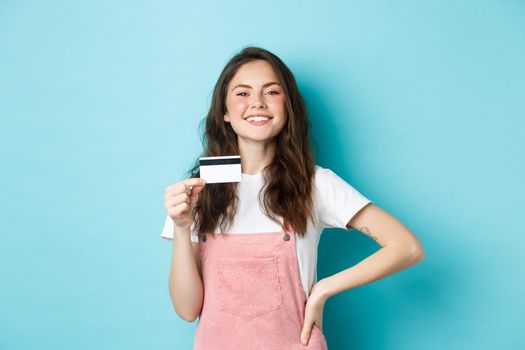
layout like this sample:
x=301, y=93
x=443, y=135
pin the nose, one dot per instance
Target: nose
x=257, y=102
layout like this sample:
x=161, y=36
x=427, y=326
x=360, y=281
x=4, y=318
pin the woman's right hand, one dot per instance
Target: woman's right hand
x=180, y=199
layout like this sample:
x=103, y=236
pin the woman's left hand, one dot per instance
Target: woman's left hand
x=313, y=312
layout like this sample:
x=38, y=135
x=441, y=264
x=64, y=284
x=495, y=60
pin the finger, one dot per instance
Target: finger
x=195, y=181
x=188, y=187
x=196, y=190
x=175, y=199
x=169, y=196
x=179, y=198
x=305, y=333
x=179, y=209
x=181, y=185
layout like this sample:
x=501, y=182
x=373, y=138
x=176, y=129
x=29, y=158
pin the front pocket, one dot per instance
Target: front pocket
x=248, y=287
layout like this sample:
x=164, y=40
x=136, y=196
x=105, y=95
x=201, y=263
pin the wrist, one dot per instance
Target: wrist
x=323, y=289
x=181, y=233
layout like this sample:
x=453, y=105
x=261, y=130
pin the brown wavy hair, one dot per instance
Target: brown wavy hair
x=288, y=179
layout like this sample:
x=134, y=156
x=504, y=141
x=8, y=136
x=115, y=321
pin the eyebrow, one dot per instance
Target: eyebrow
x=248, y=86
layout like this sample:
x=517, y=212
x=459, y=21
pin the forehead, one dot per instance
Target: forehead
x=258, y=71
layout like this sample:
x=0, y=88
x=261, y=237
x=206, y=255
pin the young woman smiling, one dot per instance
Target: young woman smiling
x=245, y=254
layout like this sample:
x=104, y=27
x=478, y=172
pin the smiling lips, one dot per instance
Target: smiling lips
x=258, y=119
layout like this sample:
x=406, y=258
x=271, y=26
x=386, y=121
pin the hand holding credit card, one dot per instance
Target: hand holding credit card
x=220, y=169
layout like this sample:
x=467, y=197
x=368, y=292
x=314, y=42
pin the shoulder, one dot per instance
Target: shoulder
x=328, y=183
x=325, y=177
x=320, y=173
x=337, y=200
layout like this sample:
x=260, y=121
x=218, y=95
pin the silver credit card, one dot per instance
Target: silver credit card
x=220, y=169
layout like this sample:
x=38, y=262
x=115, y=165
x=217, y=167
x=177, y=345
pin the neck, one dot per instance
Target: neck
x=255, y=156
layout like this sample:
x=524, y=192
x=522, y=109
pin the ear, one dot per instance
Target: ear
x=227, y=118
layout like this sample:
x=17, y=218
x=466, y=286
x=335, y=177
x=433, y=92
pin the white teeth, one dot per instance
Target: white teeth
x=257, y=119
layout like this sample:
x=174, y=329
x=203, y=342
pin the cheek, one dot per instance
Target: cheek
x=234, y=105
x=237, y=109
x=279, y=103
x=240, y=106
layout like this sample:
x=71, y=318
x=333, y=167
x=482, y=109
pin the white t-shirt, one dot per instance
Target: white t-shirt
x=335, y=203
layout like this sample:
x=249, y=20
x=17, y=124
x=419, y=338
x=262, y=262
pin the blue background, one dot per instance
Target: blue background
x=417, y=104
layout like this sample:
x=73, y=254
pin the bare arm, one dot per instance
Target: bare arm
x=185, y=284
x=400, y=249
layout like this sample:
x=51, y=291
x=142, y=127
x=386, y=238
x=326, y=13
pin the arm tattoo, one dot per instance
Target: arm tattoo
x=367, y=232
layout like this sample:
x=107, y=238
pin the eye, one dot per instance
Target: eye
x=273, y=92
x=241, y=94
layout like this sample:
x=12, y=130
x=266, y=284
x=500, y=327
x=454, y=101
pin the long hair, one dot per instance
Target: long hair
x=288, y=179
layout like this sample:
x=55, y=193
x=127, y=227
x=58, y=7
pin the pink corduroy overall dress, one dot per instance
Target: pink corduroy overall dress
x=253, y=298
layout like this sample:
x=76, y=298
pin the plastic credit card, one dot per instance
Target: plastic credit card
x=220, y=169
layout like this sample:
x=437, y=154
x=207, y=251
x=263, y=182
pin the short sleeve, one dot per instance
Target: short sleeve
x=337, y=201
x=168, y=230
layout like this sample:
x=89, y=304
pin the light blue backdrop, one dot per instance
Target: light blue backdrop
x=418, y=104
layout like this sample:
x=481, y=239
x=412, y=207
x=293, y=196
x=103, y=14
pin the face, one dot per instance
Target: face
x=255, y=103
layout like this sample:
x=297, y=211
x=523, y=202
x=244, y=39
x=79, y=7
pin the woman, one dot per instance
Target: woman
x=245, y=254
